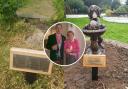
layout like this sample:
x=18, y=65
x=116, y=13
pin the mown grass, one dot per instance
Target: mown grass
x=10, y=79
x=115, y=31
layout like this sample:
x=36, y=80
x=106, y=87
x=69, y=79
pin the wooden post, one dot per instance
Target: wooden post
x=94, y=73
x=30, y=77
x=94, y=48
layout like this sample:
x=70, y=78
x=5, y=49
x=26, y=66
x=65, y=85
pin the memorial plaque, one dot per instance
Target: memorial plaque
x=28, y=60
x=94, y=60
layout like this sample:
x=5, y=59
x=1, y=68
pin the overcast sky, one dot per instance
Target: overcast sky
x=122, y=1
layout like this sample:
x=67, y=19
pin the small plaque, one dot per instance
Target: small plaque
x=28, y=60
x=94, y=60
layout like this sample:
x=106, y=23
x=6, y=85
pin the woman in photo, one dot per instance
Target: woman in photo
x=71, y=48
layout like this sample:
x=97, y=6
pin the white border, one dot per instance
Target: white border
x=76, y=27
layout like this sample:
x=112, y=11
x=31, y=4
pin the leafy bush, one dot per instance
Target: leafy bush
x=8, y=10
x=122, y=9
x=84, y=9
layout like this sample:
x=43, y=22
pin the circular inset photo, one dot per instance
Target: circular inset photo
x=64, y=43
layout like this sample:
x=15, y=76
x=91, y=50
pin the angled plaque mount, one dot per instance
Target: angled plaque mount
x=29, y=60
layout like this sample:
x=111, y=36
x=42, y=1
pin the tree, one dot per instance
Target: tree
x=104, y=4
x=127, y=2
x=115, y=4
x=75, y=6
x=92, y=2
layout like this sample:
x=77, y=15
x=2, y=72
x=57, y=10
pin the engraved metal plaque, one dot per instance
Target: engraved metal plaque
x=94, y=60
x=28, y=60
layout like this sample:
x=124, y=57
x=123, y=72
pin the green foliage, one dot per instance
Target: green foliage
x=92, y=2
x=115, y=4
x=75, y=6
x=104, y=4
x=84, y=9
x=81, y=6
x=8, y=10
x=122, y=9
x=59, y=7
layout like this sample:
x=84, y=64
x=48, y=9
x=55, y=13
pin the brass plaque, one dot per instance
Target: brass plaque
x=94, y=60
x=28, y=60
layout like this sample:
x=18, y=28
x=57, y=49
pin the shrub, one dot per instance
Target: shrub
x=84, y=10
x=8, y=10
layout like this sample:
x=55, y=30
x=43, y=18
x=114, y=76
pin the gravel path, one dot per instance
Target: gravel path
x=116, y=19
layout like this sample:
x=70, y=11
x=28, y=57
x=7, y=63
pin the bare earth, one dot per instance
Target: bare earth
x=114, y=76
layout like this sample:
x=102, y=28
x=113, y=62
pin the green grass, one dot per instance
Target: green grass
x=115, y=31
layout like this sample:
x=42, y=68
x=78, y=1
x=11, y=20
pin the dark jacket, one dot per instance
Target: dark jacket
x=52, y=41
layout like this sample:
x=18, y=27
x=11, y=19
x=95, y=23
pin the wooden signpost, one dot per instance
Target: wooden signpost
x=28, y=60
x=94, y=61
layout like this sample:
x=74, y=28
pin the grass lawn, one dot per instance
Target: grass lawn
x=115, y=31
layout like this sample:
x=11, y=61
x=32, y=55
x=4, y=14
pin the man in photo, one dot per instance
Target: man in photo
x=55, y=44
